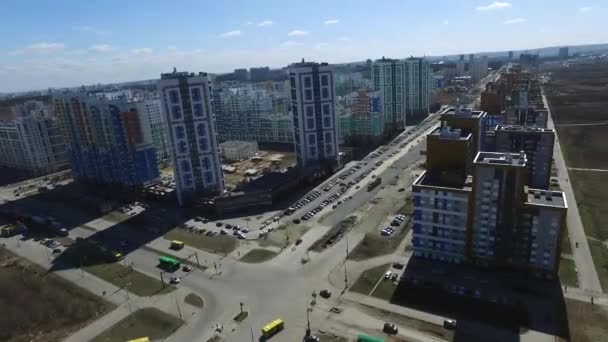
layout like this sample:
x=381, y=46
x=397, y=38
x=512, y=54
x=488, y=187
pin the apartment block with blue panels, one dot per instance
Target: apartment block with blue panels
x=107, y=144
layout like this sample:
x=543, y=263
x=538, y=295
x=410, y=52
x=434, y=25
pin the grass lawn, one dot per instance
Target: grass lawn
x=135, y=282
x=241, y=316
x=150, y=322
x=588, y=323
x=194, y=300
x=255, y=256
x=40, y=306
x=219, y=244
x=567, y=272
x=385, y=289
x=566, y=246
x=334, y=234
x=599, y=252
x=368, y=279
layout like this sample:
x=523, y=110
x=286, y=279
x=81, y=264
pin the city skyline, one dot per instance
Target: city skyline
x=84, y=44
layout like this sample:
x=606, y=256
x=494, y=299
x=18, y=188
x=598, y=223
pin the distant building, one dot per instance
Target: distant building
x=348, y=83
x=537, y=143
x=106, y=140
x=405, y=88
x=153, y=120
x=315, y=121
x=510, y=55
x=493, y=98
x=259, y=74
x=563, y=52
x=364, y=121
x=241, y=75
x=479, y=69
x=33, y=141
x=235, y=150
x=186, y=106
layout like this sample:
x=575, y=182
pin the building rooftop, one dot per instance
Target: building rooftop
x=176, y=75
x=501, y=158
x=446, y=180
x=524, y=129
x=546, y=197
x=465, y=113
x=450, y=133
x=308, y=64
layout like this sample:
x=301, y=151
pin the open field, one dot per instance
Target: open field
x=55, y=307
x=567, y=273
x=219, y=244
x=577, y=95
x=374, y=244
x=150, y=322
x=134, y=281
x=368, y=279
x=588, y=323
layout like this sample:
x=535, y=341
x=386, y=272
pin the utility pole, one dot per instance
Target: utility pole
x=197, y=262
x=252, y=339
x=179, y=311
x=162, y=279
x=308, y=310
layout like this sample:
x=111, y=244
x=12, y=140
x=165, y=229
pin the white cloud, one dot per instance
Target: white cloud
x=585, y=9
x=344, y=39
x=172, y=48
x=514, y=21
x=142, y=51
x=90, y=29
x=321, y=45
x=331, y=21
x=297, y=33
x=496, y=5
x=446, y=22
x=265, y=23
x=45, y=47
x=290, y=43
x=101, y=48
x=249, y=23
x=234, y=33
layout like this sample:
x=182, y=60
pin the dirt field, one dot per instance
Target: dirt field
x=577, y=95
x=588, y=323
x=269, y=160
x=55, y=307
x=149, y=322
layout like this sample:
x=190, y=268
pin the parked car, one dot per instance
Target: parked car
x=174, y=280
x=390, y=329
x=387, y=275
x=187, y=268
x=325, y=294
x=449, y=324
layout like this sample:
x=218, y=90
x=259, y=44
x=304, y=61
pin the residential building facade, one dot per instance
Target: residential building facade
x=106, y=141
x=315, y=121
x=152, y=120
x=186, y=105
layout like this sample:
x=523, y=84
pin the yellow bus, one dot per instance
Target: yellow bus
x=176, y=244
x=143, y=339
x=273, y=327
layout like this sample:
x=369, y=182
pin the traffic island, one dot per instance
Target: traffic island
x=241, y=316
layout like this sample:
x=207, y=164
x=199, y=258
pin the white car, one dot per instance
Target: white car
x=174, y=280
x=387, y=275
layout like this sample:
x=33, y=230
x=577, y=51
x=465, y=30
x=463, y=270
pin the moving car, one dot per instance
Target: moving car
x=449, y=324
x=390, y=329
x=174, y=280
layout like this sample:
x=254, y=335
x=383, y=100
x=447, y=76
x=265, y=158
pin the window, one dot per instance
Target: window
x=182, y=147
x=307, y=82
x=329, y=149
x=180, y=132
x=196, y=94
x=312, y=139
x=313, y=151
x=206, y=163
x=202, y=144
x=325, y=92
x=325, y=80
x=310, y=123
x=308, y=95
x=209, y=177
x=198, y=109
x=310, y=111
x=326, y=109
x=326, y=122
x=177, y=112
x=328, y=137
x=200, y=129
x=185, y=166
x=174, y=97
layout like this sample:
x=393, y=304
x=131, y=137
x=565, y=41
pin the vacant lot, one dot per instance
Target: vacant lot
x=40, y=306
x=369, y=279
x=219, y=244
x=374, y=244
x=577, y=95
x=567, y=272
x=134, y=281
x=588, y=323
x=148, y=322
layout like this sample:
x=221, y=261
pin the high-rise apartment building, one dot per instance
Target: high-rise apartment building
x=186, y=105
x=315, y=121
x=537, y=143
x=152, y=120
x=33, y=141
x=443, y=198
x=468, y=121
x=405, y=88
x=563, y=52
x=106, y=140
x=478, y=69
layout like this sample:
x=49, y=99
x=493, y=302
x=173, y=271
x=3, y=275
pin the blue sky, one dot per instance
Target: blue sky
x=57, y=43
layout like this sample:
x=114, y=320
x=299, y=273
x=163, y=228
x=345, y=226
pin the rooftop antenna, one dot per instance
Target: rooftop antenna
x=302, y=59
x=174, y=70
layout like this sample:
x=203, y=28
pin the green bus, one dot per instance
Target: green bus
x=169, y=262
x=367, y=338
